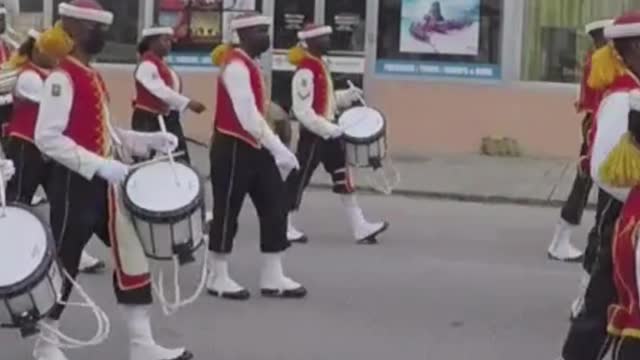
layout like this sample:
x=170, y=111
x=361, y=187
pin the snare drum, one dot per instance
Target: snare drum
x=167, y=207
x=364, y=136
x=30, y=277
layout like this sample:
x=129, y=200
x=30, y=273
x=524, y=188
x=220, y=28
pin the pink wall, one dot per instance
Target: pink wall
x=423, y=117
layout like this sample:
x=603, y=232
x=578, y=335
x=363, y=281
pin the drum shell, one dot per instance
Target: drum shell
x=160, y=232
x=366, y=155
x=36, y=295
x=367, y=152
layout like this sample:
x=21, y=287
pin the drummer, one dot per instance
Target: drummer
x=314, y=105
x=74, y=130
x=34, y=60
x=248, y=159
x=158, y=88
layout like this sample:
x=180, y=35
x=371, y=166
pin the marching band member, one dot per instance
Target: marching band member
x=315, y=104
x=248, y=158
x=6, y=99
x=615, y=68
x=571, y=213
x=74, y=129
x=622, y=169
x=34, y=60
x=158, y=88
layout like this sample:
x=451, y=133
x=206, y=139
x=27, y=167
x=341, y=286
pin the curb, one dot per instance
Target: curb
x=472, y=198
x=449, y=196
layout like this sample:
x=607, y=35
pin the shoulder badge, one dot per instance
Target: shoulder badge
x=56, y=90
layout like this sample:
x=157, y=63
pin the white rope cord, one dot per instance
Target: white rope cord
x=168, y=308
x=66, y=342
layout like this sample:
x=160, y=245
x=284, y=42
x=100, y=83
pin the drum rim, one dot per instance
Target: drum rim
x=368, y=139
x=30, y=282
x=163, y=217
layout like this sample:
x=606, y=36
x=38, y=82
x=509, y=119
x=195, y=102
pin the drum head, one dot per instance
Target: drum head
x=361, y=122
x=24, y=245
x=154, y=188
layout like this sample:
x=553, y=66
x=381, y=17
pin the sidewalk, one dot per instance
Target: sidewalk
x=542, y=182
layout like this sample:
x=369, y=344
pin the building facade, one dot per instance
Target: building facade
x=444, y=73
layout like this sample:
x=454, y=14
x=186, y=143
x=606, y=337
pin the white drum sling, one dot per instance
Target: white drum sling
x=30, y=277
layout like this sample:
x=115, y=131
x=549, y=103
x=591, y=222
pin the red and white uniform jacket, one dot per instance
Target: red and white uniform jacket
x=610, y=123
x=27, y=92
x=624, y=316
x=242, y=100
x=74, y=129
x=157, y=86
x=314, y=100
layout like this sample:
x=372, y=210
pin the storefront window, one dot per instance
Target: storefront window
x=554, y=43
x=31, y=6
x=200, y=25
x=123, y=34
x=448, y=38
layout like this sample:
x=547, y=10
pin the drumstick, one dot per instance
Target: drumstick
x=3, y=199
x=155, y=160
x=351, y=86
x=163, y=128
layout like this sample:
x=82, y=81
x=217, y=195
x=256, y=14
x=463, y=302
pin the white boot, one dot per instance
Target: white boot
x=141, y=343
x=363, y=231
x=273, y=281
x=578, y=303
x=220, y=284
x=89, y=264
x=293, y=234
x=561, y=247
x=43, y=349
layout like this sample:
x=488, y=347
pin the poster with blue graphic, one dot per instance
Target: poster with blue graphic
x=448, y=27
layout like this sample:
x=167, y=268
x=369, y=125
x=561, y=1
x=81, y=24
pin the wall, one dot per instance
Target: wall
x=423, y=117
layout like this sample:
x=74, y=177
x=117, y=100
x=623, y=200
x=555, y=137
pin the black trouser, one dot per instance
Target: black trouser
x=312, y=151
x=587, y=337
x=626, y=348
x=79, y=209
x=146, y=121
x=576, y=202
x=241, y=169
x=5, y=116
x=31, y=170
x=593, y=240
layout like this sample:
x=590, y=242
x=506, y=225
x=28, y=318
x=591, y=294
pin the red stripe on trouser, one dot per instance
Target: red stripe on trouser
x=125, y=282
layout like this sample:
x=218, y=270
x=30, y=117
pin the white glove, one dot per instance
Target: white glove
x=162, y=142
x=355, y=94
x=285, y=159
x=335, y=131
x=7, y=170
x=113, y=171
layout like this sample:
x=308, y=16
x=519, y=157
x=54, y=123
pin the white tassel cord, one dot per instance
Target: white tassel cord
x=67, y=342
x=168, y=308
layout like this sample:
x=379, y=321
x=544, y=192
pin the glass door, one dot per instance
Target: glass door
x=289, y=17
x=347, y=55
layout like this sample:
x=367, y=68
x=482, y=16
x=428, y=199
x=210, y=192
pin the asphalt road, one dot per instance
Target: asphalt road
x=450, y=281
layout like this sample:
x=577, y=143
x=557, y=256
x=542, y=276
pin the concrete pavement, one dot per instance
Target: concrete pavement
x=544, y=182
x=450, y=281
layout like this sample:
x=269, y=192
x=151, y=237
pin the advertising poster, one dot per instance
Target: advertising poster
x=449, y=27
